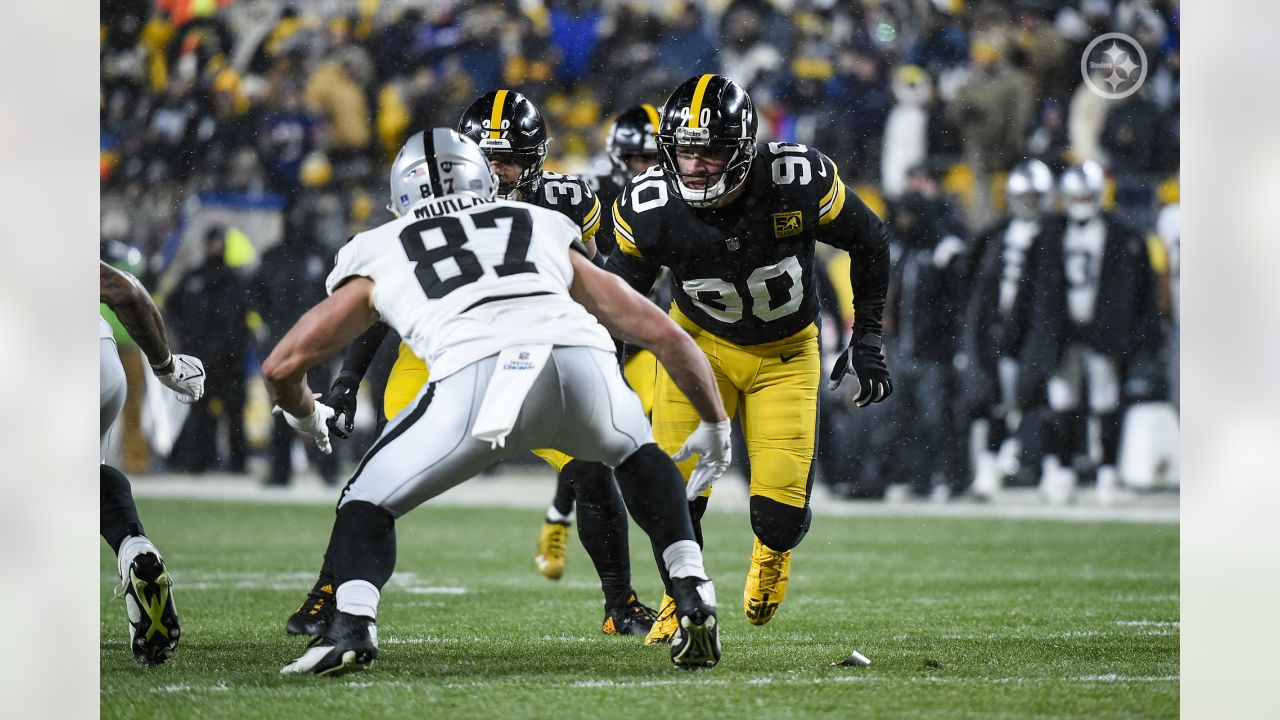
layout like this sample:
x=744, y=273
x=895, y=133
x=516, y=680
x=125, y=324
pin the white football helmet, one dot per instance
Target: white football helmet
x=1029, y=190
x=434, y=163
x=1081, y=188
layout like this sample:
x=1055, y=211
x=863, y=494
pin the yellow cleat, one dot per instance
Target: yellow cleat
x=766, y=583
x=553, y=545
x=665, y=625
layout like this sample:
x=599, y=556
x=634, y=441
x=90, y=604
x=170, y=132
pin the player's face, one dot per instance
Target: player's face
x=701, y=167
x=506, y=168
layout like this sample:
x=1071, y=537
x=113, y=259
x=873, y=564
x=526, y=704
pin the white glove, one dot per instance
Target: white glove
x=187, y=378
x=316, y=424
x=711, y=442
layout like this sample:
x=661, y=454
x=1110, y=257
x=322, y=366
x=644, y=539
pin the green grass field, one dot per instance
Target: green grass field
x=962, y=618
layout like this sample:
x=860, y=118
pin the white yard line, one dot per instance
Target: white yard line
x=532, y=487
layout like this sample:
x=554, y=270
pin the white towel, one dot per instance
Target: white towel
x=512, y=378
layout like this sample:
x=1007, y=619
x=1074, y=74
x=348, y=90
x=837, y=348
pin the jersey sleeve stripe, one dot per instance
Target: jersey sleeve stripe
x=831, y=194
x=617, y=220
x=698, y=93
x=495, y=115
x=831, y=210
x=592, y=223
x=623, y=236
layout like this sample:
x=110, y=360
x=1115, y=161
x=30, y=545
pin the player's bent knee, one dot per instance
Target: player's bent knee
x=780, y=527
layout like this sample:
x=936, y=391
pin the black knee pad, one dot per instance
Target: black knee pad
x=780, y=527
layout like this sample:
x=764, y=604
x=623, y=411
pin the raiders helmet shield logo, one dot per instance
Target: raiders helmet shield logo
x=786, y=224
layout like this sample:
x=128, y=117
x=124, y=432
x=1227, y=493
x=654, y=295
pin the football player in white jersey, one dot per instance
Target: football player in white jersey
x=145, y=584
x=493, y=296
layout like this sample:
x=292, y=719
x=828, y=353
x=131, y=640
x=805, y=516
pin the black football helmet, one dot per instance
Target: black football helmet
x=634, y=135
x=504, y=122
x=708, y=111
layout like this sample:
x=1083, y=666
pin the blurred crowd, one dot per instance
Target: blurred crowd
x=295, y=108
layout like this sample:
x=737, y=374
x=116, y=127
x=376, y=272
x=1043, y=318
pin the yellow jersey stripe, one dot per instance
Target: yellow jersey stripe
x=593, y=215
x=495, y=115
x=698, y=92
x=617, y=220
x=828, y=214
x=592, y=223
x=835, y=182
x=652, y=112
x=625, y=243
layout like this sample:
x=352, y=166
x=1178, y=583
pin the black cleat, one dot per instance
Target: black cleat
x=696, y=642
x=630, y=618
x=153, y=619
x=316, y=612
x=349, y=643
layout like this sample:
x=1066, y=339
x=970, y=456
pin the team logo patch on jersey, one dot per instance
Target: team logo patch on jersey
x=786, y=224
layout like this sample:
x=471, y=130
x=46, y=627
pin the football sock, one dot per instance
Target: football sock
x=118, y=513
x=1110, y=432
x=697, y=509
x=555, y=516
x=358, y=597
x=653, y=490
x=363, y=546
x=602, y=524
x=562, y=503
x=684, y=559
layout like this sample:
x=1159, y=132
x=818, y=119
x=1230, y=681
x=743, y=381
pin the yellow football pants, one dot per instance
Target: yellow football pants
x=773, y=387
x=410, y=373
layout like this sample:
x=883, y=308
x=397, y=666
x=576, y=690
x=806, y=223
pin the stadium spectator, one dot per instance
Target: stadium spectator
x=207, y=310
x=290, y=280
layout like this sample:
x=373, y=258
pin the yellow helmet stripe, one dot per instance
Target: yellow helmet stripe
x=652, y=112
x=495, y=116
x=696, y=108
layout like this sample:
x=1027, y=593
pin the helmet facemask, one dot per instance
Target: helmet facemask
x=737, y=154
x=530, y=162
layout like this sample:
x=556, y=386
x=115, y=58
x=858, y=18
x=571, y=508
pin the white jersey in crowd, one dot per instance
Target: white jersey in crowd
x=463, y=278
x=1082, y=245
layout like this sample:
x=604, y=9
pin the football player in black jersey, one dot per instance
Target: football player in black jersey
x=735, y=222
x=632, y=146
x=511, y=133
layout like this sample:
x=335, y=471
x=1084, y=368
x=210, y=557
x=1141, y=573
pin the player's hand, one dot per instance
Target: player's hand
x=711, y=443
x=186, y=379
x=342, y=398
x=864, y=360
x=315, y=425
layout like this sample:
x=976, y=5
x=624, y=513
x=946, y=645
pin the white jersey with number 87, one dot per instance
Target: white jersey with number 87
x=462, y=278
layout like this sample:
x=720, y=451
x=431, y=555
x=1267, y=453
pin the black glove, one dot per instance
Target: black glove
x=864, y=360
x=342, y=398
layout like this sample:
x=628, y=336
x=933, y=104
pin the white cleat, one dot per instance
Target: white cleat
x=1057, y=483
x=987, y=481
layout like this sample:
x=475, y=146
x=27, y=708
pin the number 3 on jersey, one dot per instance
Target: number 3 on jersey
x=776, y=291
x=429, y=260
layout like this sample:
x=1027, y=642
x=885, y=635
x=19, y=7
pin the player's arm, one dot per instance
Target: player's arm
x=627, y=261
x=319, y=334
x=591, y=219
x=630, y=317
x=135, y=309
x=844, y=221
x=133, y=306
